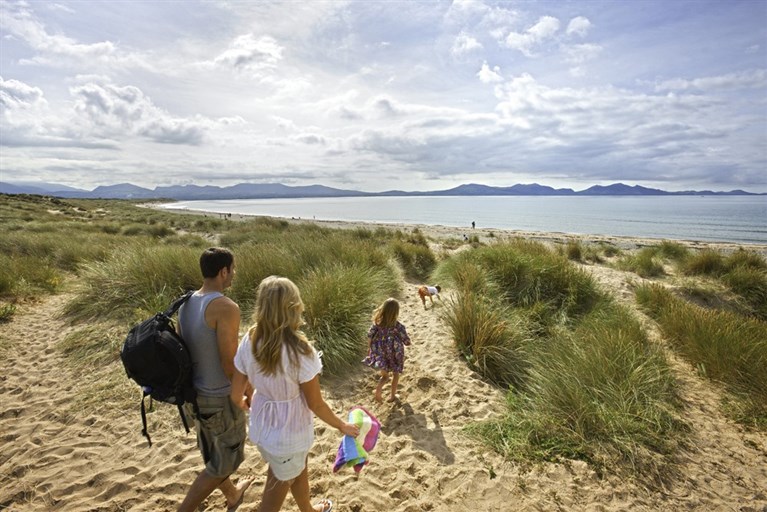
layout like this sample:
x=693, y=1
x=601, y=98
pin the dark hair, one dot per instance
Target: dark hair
x=214, y=259
x=438, y=287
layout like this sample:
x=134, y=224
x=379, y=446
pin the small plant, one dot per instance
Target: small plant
x=706, y=262
x=6, y=311
x=644, y=263
x=574, y=251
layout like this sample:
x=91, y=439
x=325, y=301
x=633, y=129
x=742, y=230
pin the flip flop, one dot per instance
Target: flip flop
x=326, y=504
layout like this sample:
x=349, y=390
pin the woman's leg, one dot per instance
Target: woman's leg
x=394, y=382
x=300, y=490
x=274, y=493
x=381, y=381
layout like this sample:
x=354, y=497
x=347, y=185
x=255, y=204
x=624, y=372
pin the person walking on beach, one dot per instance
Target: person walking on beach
x=276, y=358
x=429, y=291
x=386, y=347
x=209, y=323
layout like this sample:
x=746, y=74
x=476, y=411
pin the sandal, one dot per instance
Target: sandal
x=326, y=504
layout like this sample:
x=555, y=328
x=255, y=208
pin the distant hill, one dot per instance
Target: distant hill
x=277, y=190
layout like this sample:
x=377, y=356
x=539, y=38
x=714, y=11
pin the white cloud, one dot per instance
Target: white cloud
x=487, y=75
x=59, y=50
x=15, y=94
x=108, y=110
x=543, y=30
x=579, y=26
x=753, y=79
x=580, y=53
x=464, y=43
x=249, y=52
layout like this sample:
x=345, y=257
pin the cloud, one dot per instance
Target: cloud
x=464, y=43
x=15, y=94
x=601, y=133
x=580, y=53
x=753, y=79
x=113, y=111
x=247, y=52
x=59, y=50
x=543, y=30
x=579, y=26
x=488, y=76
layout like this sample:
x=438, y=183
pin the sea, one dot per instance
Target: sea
x=737, y=219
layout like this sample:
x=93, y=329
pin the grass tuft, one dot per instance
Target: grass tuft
x=730, y=348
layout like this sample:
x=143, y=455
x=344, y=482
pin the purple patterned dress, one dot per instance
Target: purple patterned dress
x=387, y=348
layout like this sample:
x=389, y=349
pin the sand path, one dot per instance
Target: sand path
x=54, y=456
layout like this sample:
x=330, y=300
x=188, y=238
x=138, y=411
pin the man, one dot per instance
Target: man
x=209, y=323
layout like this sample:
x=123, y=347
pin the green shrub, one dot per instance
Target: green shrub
x=644, y=263
x=6, y=311
x=706, y=262
x=136, y=282
x=600, y=392
x=750, y=283
x=724, y=346
x=490, y=337
x=339, y=302
x=673, y=250
x=417, y=261
x=746, y=258
x=574, y=251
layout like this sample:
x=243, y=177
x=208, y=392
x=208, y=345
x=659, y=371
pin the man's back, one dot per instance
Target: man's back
x=207, y=373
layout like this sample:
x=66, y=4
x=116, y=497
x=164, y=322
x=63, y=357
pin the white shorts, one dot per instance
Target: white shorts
x=285, y=467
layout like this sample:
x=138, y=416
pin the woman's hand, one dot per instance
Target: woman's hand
x=243, y=403
x=350, y=429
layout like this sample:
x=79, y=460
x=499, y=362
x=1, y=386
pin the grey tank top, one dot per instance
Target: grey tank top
x=207, y=373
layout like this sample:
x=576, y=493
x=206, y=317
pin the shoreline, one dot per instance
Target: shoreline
x=442, y=232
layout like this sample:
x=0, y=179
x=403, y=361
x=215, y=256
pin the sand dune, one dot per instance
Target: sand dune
x=58, y=455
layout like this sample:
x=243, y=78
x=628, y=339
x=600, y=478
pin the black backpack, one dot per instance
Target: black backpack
x=156, y=357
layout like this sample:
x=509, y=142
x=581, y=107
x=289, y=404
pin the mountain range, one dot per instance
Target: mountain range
x=277, y=190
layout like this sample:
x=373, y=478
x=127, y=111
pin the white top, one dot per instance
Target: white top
x=432, y=290
x=280, y=421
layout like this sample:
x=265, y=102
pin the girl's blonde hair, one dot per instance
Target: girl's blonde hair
x=387, y=313
x=277, y=320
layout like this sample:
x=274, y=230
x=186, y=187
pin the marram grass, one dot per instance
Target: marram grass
x=722, y=345
x=586, y=382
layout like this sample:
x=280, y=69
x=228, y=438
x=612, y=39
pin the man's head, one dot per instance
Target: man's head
x=216, y=259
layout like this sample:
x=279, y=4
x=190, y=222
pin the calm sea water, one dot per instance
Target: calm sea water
x=741, y=219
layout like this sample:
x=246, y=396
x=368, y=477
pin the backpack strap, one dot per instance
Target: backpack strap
x=144, y=431
x=177, y=304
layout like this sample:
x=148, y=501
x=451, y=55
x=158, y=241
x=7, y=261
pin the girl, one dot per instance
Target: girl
x=284, y=369
x=386, y=346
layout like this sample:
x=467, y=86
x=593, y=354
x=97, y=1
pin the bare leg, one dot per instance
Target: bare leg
x=381, y=381
x=234, y=493
x=201, y=488
x=394, y=381
x=274, y=493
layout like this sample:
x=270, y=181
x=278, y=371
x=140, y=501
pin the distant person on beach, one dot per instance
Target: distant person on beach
x=387, y=339
x=472, y=224
x=429, y=291
x=277, y=360
x=210, y=323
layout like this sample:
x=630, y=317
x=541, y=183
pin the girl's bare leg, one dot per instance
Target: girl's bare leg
x=274, y=493
x=381, y=381
x=394, y=382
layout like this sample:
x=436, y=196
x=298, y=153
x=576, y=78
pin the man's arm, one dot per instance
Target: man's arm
x=223, y=315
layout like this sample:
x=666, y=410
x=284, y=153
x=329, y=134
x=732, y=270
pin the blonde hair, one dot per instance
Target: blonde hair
x=386, y=314
x=277, y=320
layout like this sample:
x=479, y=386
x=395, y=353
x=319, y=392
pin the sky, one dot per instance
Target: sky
x=385, y=95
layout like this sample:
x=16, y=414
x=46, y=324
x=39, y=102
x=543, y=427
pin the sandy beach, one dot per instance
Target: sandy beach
x=58, y=455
